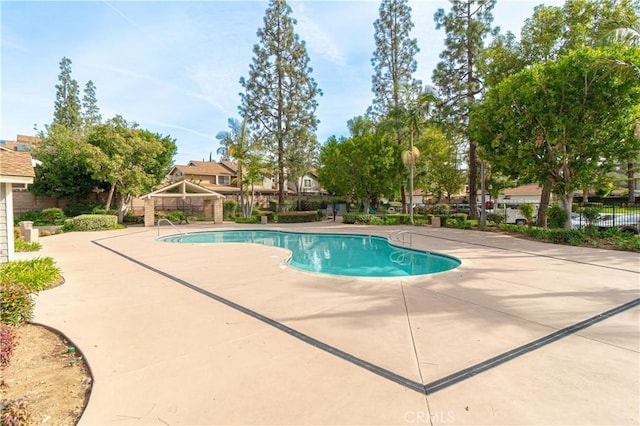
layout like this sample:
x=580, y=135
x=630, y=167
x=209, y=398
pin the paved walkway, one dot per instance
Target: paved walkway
x=185, y=334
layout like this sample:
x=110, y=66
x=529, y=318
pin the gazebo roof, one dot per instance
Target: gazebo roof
x=197, y=191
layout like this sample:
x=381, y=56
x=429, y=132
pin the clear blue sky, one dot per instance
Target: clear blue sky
x=174, y=67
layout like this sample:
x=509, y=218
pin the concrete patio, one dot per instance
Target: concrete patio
x=165, y=347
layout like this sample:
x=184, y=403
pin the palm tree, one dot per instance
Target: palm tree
x=235, y=144
x=414, y=115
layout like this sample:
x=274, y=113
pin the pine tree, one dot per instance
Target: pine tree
x=279, y=100
x=67, y=106
x=394, y=64
x=394, y=58
x=467, y=24
x=90, y=111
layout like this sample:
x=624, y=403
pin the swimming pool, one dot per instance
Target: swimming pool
x=333, y=254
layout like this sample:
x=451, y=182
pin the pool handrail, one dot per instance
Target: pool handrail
x=170, y=223
x=395, y=236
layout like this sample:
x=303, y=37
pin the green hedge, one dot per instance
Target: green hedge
x=94, y=222
x=298, y=217
x=252, y=219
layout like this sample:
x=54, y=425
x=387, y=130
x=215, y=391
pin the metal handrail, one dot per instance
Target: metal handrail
x=395, y=236
x=170, y=223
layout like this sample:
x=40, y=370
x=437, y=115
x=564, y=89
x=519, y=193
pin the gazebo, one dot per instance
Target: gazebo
x=212, y=201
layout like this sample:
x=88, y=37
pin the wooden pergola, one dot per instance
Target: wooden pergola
x=212, y=201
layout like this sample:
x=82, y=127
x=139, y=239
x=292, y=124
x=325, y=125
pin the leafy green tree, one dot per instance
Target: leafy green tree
x=562, y=121
x=362, y=167
x=551, y=32
x=90, y=111
x=62, y=170
x=299, y=159
x=130, y=159
x=458, y=75
x=67, y=105
x=394, y=64
x=439, y=171
x=279, y=101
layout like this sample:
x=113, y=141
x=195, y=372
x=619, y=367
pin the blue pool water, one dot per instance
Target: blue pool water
x=334, y=254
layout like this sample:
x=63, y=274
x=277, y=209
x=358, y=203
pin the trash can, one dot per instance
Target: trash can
x=264, y=220
x=435, y=222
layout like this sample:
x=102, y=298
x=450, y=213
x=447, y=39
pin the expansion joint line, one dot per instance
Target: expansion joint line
x=422, y=388
x=415, y=349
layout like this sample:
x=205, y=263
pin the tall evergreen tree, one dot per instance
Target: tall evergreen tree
x=279, y=100
x=457, y=76
x=90, y=111
x=394, y=58
x=67, y=106
x=394, y=64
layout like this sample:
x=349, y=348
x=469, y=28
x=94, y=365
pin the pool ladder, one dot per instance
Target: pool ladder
x=170, y=223
x=398, y=236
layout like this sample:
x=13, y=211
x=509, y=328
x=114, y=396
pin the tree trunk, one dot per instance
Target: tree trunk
x=545, y=197
x=123, y=206
x=107, y=205
x=566, y=200
x=473, y=181
x=631, y=198
x=585, y=195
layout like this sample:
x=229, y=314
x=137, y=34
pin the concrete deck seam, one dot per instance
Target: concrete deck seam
x=524, y=349
x=531, y=253
x=425, y=389
x=382, y=372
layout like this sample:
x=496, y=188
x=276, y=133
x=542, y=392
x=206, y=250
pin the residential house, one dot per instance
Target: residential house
x=222, y=177
x=16, y=168
x=525, y=194
x=22, y=143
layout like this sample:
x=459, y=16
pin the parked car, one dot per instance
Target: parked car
x=627, y=222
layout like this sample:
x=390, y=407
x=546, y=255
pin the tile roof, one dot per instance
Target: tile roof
x=530, y=189
x=16, y=164
x=205, y=168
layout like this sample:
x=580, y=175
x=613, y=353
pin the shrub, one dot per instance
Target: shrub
x=82, y=208
x=527, y=211
x=441, y=209
x=36, y=274
x=30, y=216
x=94, y=222
x=177, y=216
x=361, y=219
x=591, y=215
x=53, y=216
x=312, y=205
x=67, y=226
x=229, y=209
x=556, y=217
x=129, y=217
x=16, y=304
x=7, y=343
x=496, y=218
x=23, y=246
x=459, y=217
x=15, y=413
x=298, y=217
x=252, y=219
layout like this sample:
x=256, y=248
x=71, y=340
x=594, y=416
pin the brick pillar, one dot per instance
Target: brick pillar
x=217, y=210
x=207, y=206
x=149, y=212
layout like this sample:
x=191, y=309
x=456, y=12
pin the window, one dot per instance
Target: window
x=224, y=180
x=306, y=183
